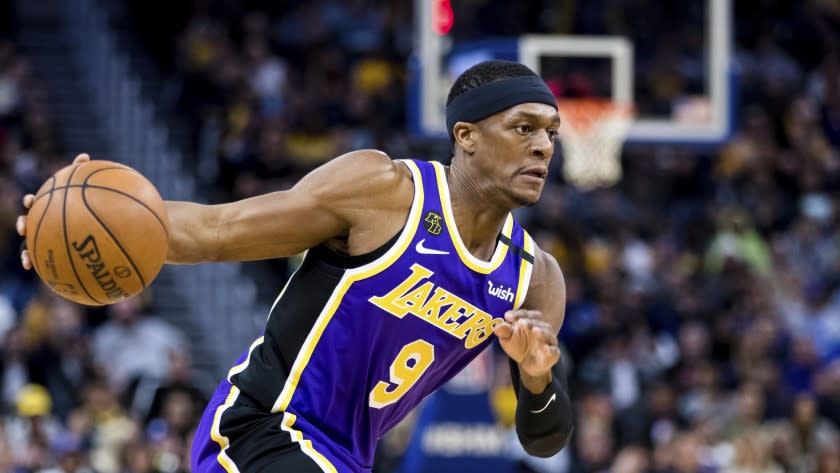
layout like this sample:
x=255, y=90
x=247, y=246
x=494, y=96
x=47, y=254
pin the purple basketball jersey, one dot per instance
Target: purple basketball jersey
x=349, y=351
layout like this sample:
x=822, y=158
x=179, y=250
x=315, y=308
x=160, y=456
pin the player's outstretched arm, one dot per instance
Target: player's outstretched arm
x=327, y=203
x=544, y=415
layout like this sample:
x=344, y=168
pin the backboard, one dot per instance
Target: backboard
x=670, y=60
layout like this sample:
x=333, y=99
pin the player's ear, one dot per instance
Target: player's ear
x=465, y=134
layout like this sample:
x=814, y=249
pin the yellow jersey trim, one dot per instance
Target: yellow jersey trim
x=305, y=445
x=525, y=269
x=477, y=265
x=244, y=365
x=217, y=436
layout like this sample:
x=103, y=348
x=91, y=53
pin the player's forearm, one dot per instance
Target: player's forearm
x=544, y=417
x=192, y=233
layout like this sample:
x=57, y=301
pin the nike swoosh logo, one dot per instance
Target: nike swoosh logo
x=428, y=251
x=553, y=397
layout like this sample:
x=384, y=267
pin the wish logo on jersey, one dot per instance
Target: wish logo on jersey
x=503, y=293
x=420, y=297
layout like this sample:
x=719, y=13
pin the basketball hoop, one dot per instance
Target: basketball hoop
x=592, y=132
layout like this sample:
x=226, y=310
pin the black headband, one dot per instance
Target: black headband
x=481, y=102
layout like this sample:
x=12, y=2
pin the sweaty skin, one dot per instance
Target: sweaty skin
x=359, y=201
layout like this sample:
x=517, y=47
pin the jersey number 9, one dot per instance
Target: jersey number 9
x=409, y=365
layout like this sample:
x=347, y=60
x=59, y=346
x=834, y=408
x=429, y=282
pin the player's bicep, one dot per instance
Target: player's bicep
x=325, y=204
x=276, y=225
x=547, y=290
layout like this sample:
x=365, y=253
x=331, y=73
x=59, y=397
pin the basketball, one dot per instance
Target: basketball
x=97, y=232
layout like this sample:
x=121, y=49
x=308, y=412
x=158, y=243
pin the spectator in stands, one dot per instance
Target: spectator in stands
x=804, y=436
x=134, y=345
x=33, y=430
x=268, y=76
x=104, y=423
x=690, y=454
x=747, y=411
x=179, y=381
x=71, y=457
x=61, y=361
x=752, y=454
x=631, y=459
x=594, y=444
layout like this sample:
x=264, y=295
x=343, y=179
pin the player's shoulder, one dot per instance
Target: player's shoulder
x=369, y=167
x=371, y=162
x=547, y=270
x=362, y=179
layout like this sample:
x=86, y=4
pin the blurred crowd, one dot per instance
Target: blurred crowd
x=702, y=331
x=107, y=390
x=291, y=84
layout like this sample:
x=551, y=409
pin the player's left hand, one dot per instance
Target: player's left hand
x=20, y=224
x=529, y=340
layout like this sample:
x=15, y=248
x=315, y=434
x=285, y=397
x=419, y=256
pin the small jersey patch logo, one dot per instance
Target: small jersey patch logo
x=432, y=223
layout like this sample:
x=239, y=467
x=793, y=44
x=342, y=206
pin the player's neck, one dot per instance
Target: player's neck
x=478, y=218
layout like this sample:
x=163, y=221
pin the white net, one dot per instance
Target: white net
x=592, y=132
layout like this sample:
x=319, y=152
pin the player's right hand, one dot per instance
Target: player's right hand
x=20, y=225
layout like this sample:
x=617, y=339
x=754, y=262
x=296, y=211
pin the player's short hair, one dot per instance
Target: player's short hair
x=485, y=73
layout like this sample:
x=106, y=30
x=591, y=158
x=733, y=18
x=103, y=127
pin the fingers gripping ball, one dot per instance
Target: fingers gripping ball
x=97, y=232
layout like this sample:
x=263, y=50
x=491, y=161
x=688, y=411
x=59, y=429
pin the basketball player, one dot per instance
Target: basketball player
x=412, y=269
